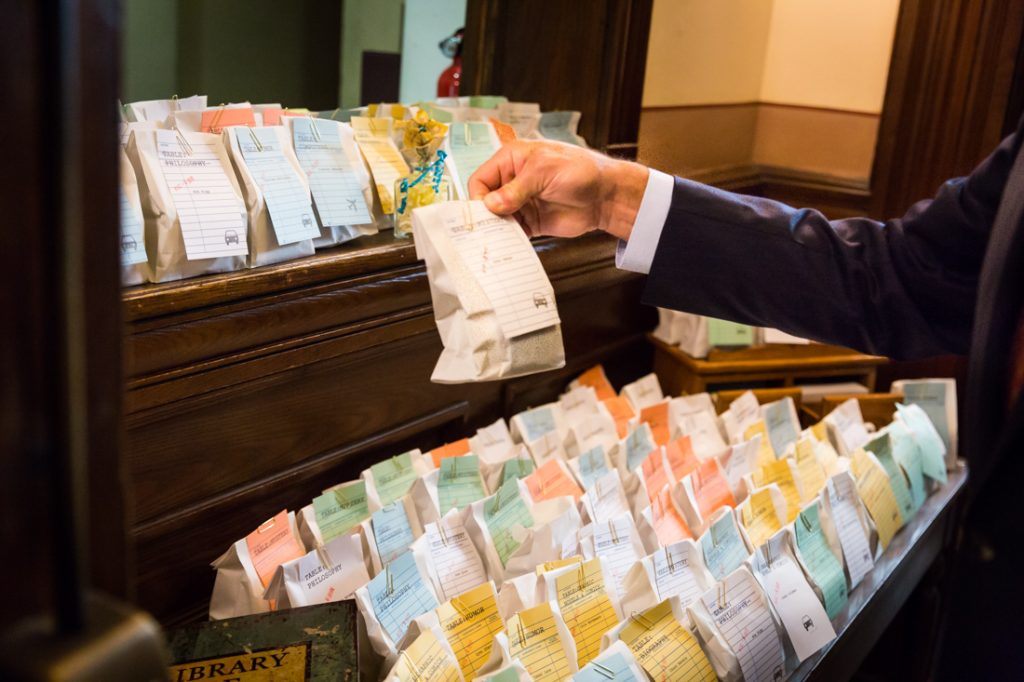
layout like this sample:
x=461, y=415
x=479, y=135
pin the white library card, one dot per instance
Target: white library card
x=841, y=495
x=613, y=540
x=337, y=191
x=673, y=575
x=459, y=567
x=333, y=572
x=496, y=250
x=801, y=613
x=209, y=210
x=291, y=214
x=133, y=249
x=741, y=614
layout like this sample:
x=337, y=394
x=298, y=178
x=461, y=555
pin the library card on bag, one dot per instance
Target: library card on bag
x=535, y=639
x=470, y=621
x=291, y=212
x=664, y=648
x=207, y=203
x=802, y=615
x=333, y=178
x=586, y=608
x=494, y=306
x=740, y=612
x=455, y=558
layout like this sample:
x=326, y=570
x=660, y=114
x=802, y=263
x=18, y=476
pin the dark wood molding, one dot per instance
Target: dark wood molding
x=836, y=197
x=950, y=80
x=593, y=60
x=758, y=103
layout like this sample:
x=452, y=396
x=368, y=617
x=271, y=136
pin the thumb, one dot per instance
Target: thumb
x=511, y=196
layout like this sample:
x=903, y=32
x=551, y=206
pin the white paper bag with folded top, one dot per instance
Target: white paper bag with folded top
x=501, y=665
x=134, y=263
x=282, y=224
x=338, y=177
x=494, y=306
x=522, y=592
x=555, y=521
x=595, y=430
x=493, y=443
x=174, y=171
x=326, y=574
x=643, y=392
x=239, y=587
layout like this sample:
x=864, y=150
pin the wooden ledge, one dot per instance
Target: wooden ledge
x=364, y=256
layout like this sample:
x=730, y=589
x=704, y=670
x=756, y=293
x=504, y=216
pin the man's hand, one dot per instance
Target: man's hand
x=559, y=190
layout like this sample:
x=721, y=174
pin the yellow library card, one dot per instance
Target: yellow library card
x=873, y=487
x=664, y=648
x=765, y=451
x=426, y=661
x=859, y=462
x=809, y=471
x=779, y=473
x=373, y=135
x=558, y=563
x=586, y=608
x=759, y=516
x=820, y=431
x=470, y=622
x=533, y=639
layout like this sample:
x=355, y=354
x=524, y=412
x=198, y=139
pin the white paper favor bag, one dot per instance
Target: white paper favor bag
x=494, y=306
x=282, y=224
x=181, y=177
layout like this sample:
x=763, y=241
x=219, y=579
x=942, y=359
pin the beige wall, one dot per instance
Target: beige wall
x=829, y=53
x=822, y=53
x=706, y=51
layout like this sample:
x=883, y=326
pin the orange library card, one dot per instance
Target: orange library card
x=622, y=412
x=655, y=476
x=597, y=380
x=272, y=544
x=272, y=117
x=668, y=524
x=551, y=480
x=710, y=488
x=657, y=417
x=216, y=120
x=681, y=457
x=506, y=133
x=454, y=449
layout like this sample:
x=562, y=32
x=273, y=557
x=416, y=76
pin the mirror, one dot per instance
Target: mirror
x=303, y=53
x=792, y=88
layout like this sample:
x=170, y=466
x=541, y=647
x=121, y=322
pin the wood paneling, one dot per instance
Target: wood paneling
x=60, y=355
x=250, y=392
x=948, y=93
x=693, y=141
x=588, y=58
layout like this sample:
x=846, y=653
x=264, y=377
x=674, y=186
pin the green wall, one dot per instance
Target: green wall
x=374, y=25
x=259, y=50
x=149, y=50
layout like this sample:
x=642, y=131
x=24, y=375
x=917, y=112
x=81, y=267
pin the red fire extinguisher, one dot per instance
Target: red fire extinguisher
x=448, y=83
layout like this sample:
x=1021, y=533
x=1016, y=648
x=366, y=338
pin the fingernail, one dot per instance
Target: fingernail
x=492, y=201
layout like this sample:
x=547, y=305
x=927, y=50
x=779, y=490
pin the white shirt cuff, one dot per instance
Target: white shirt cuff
x=637, y=254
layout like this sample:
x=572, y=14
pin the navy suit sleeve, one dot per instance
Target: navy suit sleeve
x=904, y=288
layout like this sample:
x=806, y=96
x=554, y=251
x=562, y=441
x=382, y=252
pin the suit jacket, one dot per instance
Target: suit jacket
x=947, y=277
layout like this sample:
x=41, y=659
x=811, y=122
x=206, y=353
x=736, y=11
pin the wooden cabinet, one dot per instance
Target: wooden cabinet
x=252, y=391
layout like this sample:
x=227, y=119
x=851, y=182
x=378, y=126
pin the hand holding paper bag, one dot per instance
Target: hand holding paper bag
x=494, y=306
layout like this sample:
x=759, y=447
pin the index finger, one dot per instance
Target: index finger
x=491, y=175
